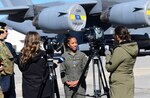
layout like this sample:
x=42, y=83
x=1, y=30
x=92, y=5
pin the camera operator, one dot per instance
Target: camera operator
x=121, y=63
x=72, y=68
x=34, y=68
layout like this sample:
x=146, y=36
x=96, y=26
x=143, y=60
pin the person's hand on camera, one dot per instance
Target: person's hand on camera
x=107, y=51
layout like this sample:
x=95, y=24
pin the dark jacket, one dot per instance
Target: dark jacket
x=33, y=73
x=13, y=52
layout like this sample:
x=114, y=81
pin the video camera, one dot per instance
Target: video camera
x=97, y=40
x=51, y=45
x=94, y=33
x=95, y=36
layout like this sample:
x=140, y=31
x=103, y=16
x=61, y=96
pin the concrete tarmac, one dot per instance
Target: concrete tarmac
x=141, y=73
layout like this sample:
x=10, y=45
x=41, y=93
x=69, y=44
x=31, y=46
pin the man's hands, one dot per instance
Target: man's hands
x=72, y=83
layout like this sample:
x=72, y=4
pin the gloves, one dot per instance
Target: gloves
x=107, y=51
x=61, y=60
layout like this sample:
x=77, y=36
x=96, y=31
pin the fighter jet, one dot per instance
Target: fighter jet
x=61, y=17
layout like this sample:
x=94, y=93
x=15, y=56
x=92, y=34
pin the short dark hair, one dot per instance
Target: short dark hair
x=2, y=26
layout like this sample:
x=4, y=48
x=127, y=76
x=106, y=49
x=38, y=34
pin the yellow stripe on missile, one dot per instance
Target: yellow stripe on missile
x=147, y=12
x=83, y=17
x=72, y=17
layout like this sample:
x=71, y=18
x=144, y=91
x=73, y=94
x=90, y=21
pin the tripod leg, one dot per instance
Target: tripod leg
x=94, y=82
x=103, y=78
x=51, y=78
x=82, y=77
x=56, y=86
x=97, y=88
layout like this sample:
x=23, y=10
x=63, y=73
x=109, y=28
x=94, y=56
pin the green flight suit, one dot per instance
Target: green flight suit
x=120, y=65
x=71, y=70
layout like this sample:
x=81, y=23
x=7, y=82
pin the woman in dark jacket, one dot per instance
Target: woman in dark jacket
x=33, y=66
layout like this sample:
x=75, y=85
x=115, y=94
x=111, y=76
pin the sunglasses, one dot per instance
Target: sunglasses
x=6, y=30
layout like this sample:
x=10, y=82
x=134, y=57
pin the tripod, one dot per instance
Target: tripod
x=51, y=76
x=95, y=57
x=52, y=80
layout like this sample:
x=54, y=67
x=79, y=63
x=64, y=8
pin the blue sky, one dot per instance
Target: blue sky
x=41, y=1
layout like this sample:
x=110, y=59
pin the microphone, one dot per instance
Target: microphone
x=61, y=59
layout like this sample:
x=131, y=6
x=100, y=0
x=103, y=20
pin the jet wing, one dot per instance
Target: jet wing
x=86, y=4
x=91, y=6
x=13, y=10
x=83, y=2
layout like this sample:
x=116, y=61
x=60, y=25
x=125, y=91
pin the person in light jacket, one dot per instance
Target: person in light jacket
x=121, y=63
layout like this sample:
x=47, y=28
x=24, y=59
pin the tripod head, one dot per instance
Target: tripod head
x=51, y=45
x=95, y=37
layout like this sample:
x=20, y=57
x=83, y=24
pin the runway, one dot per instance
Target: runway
x=141, y=73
